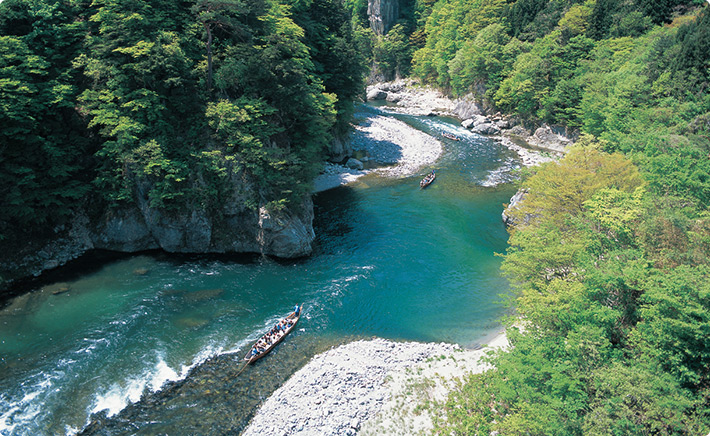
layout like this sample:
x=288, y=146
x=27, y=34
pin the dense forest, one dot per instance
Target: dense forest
x=103, y=98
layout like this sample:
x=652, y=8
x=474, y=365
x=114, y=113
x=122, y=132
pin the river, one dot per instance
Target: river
x=152, y=343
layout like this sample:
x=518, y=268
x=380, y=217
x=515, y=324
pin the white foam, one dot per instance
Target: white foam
x=7, y=418
x=69, y=430
x=201, y=358
x=22, y=411
x=162, y=374
x=501, y=174
x=117, y=397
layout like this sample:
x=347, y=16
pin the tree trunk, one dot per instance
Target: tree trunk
x=209, y=55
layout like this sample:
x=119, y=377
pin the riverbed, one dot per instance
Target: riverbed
x=151, y=343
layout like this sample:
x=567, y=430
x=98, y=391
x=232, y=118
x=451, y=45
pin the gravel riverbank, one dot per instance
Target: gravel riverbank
x=367, y=387
x=393, y=147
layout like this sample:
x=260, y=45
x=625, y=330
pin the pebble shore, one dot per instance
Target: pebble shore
x=397, y=150
x=360, y=387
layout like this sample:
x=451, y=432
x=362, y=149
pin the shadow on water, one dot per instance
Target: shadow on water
x=215, y=398
x=88, y=263
x=95, y=260
x=335, y=214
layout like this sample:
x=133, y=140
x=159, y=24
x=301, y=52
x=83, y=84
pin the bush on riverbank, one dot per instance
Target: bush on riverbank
x=613, y=295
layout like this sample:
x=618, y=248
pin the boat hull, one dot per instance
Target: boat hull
x=292, y=316
x=424, y=183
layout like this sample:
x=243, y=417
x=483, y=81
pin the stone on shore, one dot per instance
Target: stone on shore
x=393, y=97
x=547, y=138
x=354, y=164
x=467, y=107
x=486, y=129
x=376, y=94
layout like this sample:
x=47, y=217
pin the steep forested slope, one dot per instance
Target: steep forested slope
x=102, y=99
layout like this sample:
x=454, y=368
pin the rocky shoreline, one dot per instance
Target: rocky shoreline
x=367, y=387
x=543, y=144
x=388, y=142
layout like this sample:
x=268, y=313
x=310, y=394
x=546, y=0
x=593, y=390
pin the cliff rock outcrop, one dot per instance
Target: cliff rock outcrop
x=383, y=15
x=235, y=228
x=508, y=215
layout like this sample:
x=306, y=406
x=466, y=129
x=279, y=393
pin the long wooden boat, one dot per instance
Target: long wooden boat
x=426, y=181
x=450, y=136
x=273, y=339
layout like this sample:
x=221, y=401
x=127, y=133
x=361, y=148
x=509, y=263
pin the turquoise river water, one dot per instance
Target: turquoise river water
x=152, y=343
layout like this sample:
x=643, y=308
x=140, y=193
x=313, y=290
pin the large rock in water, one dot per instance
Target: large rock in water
x=374, y=93
x=475, y=120
x=486, y=129
x=515, y=204
x=383, y=14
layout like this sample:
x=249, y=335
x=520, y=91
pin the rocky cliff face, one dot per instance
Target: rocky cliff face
x=339, y=149
x=383, y=15
x=138, y=227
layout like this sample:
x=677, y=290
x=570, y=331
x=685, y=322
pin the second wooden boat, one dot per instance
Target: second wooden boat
x=450, y=136
x=271, y=339
x=426, y=181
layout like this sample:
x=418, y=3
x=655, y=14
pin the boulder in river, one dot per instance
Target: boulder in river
x=376, y=94
x=474, y=121
x=354, y=164
x=486, y=129
x=203, y=294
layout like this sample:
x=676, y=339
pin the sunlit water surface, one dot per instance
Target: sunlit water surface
x=152, y=344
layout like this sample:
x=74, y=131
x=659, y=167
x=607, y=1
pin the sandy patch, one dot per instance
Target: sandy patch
x=396, y=148
x=416, y=391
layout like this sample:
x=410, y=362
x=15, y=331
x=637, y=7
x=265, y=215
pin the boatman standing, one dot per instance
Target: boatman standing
x=296, y=309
